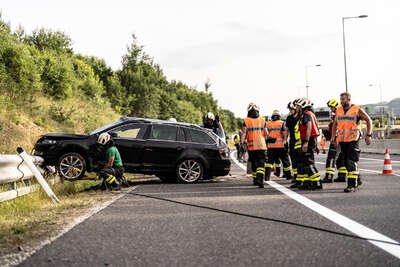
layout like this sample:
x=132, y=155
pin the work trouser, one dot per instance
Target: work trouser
x=330, y=162
x=257, y=159
x=307, y=172
x=276, y=166
x=341, y=165
x=274, y=155
x=294, y=158
x=111, y=177
x=351, y=156
x=238, y=151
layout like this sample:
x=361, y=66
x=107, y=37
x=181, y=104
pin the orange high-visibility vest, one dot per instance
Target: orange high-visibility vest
x=275, y=131
x=255, y=134
x=347, y=124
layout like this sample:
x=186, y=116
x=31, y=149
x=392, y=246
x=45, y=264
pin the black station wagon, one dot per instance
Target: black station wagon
x=169, y=150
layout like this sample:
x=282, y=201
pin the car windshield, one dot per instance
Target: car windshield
x=101, y=129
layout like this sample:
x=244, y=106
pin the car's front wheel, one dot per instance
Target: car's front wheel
x=189, y=171
x=71, y=166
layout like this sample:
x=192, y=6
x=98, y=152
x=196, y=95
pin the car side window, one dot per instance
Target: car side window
x=163, y=132
x=133, y=131
x=200, y=137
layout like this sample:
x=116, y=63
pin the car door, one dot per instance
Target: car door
x=129, y=139
x=162, y=148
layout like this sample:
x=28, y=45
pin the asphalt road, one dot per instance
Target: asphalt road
x=229, y=222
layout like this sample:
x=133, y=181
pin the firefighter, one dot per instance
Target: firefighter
x=112, y=173
x=254, y=134
x=292, y=128
x=309, y=132
x=330, y=160
x=346, y=134
x=276, y=147
x=236, y=141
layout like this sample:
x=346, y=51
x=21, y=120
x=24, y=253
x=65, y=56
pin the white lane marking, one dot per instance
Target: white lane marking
x=352, y=226
x=366, y=170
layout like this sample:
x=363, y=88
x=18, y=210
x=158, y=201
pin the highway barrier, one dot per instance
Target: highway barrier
x=378, y=146
x=21, y=169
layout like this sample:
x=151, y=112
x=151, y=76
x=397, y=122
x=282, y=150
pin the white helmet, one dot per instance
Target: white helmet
x=104, y=138
x=172, y=119
x=304, y=103
x=253, y=106
x=275, y=113
x=291, y=105
x=210, y=116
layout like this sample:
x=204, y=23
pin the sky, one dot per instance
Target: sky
x=251, y=51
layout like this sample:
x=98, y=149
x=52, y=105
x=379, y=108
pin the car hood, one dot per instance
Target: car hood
x=59, y=136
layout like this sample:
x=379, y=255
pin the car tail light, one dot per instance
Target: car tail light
x=224, y=152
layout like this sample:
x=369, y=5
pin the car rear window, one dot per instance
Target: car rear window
x=163, y=132
x=200, y=137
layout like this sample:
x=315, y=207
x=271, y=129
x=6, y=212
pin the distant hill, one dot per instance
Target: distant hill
x=392, y=107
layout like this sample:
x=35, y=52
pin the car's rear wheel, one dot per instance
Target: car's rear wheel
x=71, y=166
x=189, y=171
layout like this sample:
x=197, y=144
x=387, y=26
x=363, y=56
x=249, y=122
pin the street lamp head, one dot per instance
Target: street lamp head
x=363, y=16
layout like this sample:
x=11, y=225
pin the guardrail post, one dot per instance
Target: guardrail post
x=37, y=174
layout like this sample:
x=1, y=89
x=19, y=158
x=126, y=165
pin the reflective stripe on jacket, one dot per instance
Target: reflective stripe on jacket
x=255, y=134
x=275, y=131
x=347, y=124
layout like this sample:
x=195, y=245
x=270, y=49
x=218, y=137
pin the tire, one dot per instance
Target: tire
x=189, y=171
x=71, y=166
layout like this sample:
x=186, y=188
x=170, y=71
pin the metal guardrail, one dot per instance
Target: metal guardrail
x=379, y=146
x=14, y=169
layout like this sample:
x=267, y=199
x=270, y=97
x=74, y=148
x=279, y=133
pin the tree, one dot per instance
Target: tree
x=44, y=39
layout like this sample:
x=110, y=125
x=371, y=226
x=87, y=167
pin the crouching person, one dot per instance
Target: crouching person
x=112, y=173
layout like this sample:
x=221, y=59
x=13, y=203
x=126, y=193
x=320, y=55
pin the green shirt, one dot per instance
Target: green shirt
x=113, y=152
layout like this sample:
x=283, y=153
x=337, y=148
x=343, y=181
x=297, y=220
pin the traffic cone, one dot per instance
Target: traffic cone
x=387, y=164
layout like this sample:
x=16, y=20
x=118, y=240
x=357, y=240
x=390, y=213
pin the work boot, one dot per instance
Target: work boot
x=267, y=174
x=254, y=181
x=328, y=178
x=350, y=189
x=306, y=185
x=340, y=179
x=296, y=184
x=316, y=185
x=261, y=182
x=351, y=186
x=288, y=175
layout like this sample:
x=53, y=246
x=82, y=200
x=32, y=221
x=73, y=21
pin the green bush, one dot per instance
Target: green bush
x=57, y=75
x=19, y=73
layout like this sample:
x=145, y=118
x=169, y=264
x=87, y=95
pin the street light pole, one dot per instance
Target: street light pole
x=306, y=68
x=344, y=46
